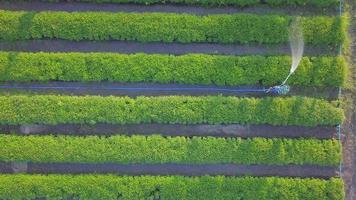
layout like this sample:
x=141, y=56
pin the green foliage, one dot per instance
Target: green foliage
x=331, y=30
x=185, y=69
x=107, y=187
x=158, y=149
x=317, y=3
x=51, y=109
x=166, y=27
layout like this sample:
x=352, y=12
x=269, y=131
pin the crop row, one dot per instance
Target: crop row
x=18, y=187
x=317, y=3
x=158, y=149
x=185, y=69
x=51, y=109
x=167, y=27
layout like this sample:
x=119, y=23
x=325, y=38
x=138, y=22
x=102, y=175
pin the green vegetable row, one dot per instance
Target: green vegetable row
x=51, y=109
x=185, y=69
x=107, y=187
x=318, y=3
x=158, y=149
x=167, y=27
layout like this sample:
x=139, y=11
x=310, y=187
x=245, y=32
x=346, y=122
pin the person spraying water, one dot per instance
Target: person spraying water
x=296, y=44
x=297, y=48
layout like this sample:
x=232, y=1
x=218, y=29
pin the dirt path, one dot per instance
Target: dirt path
x=105, y=88
x=349, y=154
x=130, y=47
x=37, y=5
x=244, y=131
x=171, y=169
x=349, y=128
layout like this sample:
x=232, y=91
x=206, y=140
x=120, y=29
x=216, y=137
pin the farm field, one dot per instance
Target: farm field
x=175, y=99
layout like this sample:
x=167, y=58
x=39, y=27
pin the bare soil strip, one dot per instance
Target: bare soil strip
x=172, y=169
x=37, y=5
x=129, y=47
x=244, y=131
x=349, y=158
x=105, y=88
x=349, y=127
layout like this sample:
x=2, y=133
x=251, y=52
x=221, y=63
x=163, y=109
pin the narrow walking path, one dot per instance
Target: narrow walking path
x=129, y=47
x=349, y=127
x=171, y=169
x=243, y=131
x=105, y=88
x=38, y=5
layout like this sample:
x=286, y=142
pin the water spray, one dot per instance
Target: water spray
x=297, y=48
x=296, y=45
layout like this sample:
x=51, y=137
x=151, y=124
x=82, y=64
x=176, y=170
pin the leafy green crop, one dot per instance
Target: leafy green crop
x=51, y=109
x=317, y=3
x=110, y=187
x=158, y=149
x=186, y=69
x=167, y=27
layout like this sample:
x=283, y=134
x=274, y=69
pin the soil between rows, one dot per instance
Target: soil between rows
x=303, y=171
x=244, y=131
x=105, y=88
x=129, y=47
x=38, y=5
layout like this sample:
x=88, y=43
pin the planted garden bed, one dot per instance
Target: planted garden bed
x=86, y=128
x=317, y=3
x=151, y=27
x=185, y=69
x=51, y=109
x=167, y=187
x=158, y=149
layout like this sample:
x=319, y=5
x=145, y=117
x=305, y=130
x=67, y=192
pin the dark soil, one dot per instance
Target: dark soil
x=153, y=89
x=244, y=131
x=172, y=169
x=130, y=47
x=6, y=168
x=349, y=161
x=37, y=5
